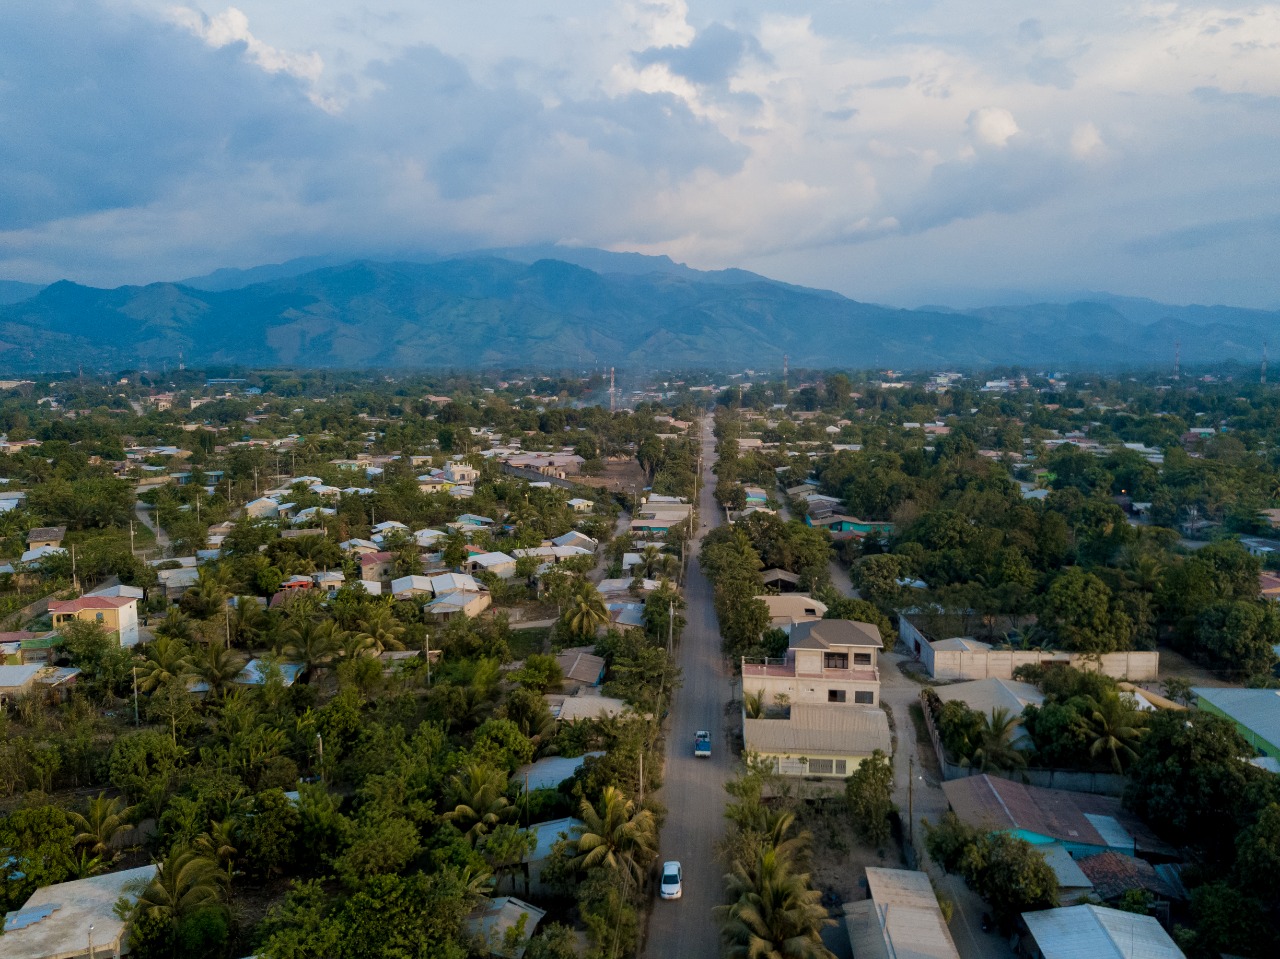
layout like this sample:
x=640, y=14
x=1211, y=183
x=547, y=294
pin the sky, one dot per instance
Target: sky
x=898, y=151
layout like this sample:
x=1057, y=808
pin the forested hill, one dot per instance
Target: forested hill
x=486, y=310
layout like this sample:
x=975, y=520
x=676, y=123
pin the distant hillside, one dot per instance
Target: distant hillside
x=486, y=310
x=11, y=291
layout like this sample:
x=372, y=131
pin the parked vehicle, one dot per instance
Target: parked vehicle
x=672, y=885
x=702, y=743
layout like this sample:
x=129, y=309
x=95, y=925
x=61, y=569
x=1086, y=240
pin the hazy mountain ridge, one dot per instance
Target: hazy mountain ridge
x=491, y=310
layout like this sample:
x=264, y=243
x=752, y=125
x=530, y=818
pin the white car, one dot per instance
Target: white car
x=672, y=886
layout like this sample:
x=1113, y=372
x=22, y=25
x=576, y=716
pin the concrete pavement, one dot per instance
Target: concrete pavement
x=693, y=789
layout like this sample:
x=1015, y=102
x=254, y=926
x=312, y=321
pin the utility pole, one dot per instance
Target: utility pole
x=613, y=404
x=911, y=819
x=642, y=777
x=320, y=754
x=671, y=622
x=426, y=645
x=132, y=551
x=135, y=695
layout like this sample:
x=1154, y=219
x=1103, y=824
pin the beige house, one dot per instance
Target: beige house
x=74, y=919
x=817, y=740
x=790, y=608
x=828, y=661
x=460, y=603
x=116, y=614
x=46, y=536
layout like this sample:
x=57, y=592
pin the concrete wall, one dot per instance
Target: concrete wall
x=1135, y=666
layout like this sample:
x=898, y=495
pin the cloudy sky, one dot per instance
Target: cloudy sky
x=905, y=151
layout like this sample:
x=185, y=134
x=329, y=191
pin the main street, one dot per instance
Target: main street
x=693, y=789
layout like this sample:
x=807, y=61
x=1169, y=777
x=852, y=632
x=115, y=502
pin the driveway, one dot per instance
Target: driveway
x=693, y=789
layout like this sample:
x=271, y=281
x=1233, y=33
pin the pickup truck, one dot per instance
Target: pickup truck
x=702, y=743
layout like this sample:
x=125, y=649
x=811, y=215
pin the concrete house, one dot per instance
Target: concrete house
x=827, y=661
x=46, y=536
x=498, y=563
x=55, y=922
x=116, y=614
x=817, y=740
x=788, y=609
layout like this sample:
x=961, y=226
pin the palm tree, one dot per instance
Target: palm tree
x=1117, y=730
x=185, y=883
x=248, y=621
x=616, y=835
x=312, y=643
x=382, y=631
x=167, y=658
x=176, y=625
x=480, y=803
x=995, y=749
x=586, y=612
x=753, y=704
x=101, y=823
x=772, y=913
x=217, y=844
x=218, y=667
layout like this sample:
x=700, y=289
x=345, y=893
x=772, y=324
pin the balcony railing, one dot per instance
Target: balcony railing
x=786, y=669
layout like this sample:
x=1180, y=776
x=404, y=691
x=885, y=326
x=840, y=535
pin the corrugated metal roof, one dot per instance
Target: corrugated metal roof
x=1096, y=932
x=901, y=920
x=1255, y=709
x=820, y=730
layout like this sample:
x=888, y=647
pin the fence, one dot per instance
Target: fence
x=1134, y=665
x=1075, y=780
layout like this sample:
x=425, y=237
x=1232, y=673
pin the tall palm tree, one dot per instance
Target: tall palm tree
x=616, y=835
x=185, y=883
x=218, y=845
x=312, y=643
x=167, y=658
x=382, y=631
x=218, y=667
x=1117, y=729
x=586, y=612
x=478, y=792
x=753, y=704
x=99, y=825
x=995, y=748
x=772, y=913
x=248, y=621
x=176, y=625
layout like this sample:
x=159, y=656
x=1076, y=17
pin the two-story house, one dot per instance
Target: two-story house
x=827, y=661
x=813, y=713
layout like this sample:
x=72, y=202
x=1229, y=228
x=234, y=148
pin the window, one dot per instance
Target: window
x=864, y=697
x=840, y=764
x=821, y=767
x=810, y=611
x=99, y=617
x=836, y=696
x=862, y=659
x=835, y=660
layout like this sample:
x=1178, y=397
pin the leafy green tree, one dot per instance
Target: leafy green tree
x=1258, y=854
x=107, y=667
x=268, y=835
x=143, y=766
x=869, y=793
x=1010, y=874
x=39, y=842
x=1080, y=614
x=1239, y=636
x=877, y=579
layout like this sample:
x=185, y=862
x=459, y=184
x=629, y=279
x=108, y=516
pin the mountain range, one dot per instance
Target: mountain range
x=552, y=307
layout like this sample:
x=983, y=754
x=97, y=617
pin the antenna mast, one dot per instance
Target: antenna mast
x=613, y=395
x=1177, y=359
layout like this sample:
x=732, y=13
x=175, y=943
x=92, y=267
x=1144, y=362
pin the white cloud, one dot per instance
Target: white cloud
x=722, y=134
x=992, y=126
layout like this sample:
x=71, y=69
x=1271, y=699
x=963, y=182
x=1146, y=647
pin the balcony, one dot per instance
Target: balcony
x=786, y=669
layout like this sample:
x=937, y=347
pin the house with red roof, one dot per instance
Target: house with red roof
x=116, y=614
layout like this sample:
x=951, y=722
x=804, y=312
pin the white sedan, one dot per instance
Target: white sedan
x=672, y=886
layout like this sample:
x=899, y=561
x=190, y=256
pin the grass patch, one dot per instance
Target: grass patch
x=524, y=642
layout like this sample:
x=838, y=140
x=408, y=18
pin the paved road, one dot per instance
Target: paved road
x=693, y=789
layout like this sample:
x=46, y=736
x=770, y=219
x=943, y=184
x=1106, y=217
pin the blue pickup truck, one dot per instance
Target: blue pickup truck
x=702, y=743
